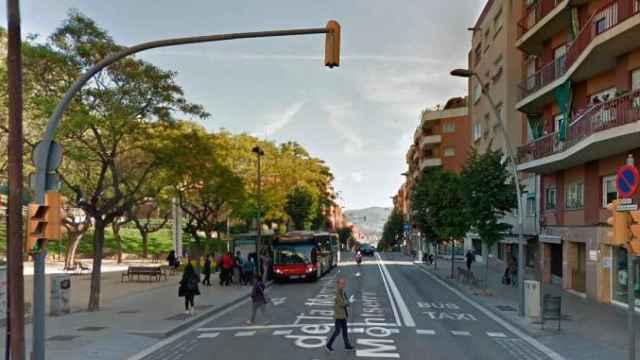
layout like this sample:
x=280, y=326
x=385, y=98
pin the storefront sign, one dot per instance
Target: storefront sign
x=606, y=263
x=593, y=255
x=550, y=239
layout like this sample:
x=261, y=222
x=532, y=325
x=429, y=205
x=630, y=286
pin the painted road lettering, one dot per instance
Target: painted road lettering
x=377, y=348
x=441, y=311
x=434, y=315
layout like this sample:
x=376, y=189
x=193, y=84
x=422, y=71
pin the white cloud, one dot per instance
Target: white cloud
x=280, y=119
x=339, y=116
x=357, y=176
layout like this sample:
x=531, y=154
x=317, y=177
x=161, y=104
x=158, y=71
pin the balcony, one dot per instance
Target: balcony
x=589, y=137
x=430, y=140
x=611, y=31
x=541, y=21
x=425, y=163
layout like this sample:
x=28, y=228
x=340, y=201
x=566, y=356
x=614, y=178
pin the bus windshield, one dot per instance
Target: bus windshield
x=293, y=254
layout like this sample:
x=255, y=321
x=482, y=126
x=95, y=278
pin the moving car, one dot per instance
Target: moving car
x=367, y=250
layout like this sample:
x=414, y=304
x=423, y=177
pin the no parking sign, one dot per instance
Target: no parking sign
x=627, y=181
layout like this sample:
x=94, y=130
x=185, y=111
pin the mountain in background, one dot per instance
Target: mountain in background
x=370, y=220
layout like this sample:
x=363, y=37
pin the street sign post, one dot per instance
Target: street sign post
x=627, y=181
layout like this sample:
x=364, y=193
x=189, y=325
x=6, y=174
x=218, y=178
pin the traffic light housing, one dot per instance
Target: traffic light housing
x=620, y=233
x=332, y=44
x=45, y=221
x=633, y=246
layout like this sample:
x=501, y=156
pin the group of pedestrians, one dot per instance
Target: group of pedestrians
x=238, y=267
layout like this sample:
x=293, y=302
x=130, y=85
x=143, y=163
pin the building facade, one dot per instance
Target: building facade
x=579, y=94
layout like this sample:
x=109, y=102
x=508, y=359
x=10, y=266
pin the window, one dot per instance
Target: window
x=575, y=196
x=531, y=206
x=477, y=131
x=448, y=152
x=486, y=34
x=499, y=108
x=601, y=25
x=557, y=121
x=477, y=93
x=498, y=69
x=487, y=119
x=478, y=53
x=449, y=128
x=497, y=22
x=550, y=198
x=635, y=80
x=609, y=192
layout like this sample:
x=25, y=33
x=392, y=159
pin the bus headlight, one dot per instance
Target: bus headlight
x=309, y=268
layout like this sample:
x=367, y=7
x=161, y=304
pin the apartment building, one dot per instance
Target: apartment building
x=580, y=98
x=441, y=139
x=497, y=61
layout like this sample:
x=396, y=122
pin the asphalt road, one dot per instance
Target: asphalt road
x=399, y=312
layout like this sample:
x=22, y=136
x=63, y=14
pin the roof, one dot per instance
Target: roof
x=484, y=12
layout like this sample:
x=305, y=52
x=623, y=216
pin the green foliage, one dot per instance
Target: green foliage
x=488, y=194
x=345, y=235
x=392, y=231
x=437, y=204
x=301, y=206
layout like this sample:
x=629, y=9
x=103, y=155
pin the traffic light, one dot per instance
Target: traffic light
x=620, y=233
x=45, y=221
x=633, y=246
x=332, y=44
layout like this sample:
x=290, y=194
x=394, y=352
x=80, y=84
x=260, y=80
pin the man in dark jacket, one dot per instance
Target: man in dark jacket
x=207, y=271
x=341, y=314
x=259, y=299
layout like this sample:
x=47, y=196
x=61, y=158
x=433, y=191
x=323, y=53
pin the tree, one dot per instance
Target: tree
x=148, y=218
x=437, y=203
x=489, y=196
x=344, y=235
x=393, y=231
x=300, y=206
x=76, y=225
x=110, y=147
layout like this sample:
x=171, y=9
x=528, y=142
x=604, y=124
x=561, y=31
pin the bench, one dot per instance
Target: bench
x=151, y=273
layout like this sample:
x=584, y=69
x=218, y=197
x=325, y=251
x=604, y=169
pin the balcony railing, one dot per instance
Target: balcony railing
x=617, y=112
x=605, y=19
x=534, y=14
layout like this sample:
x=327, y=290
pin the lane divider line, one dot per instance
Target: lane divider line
x=386, y=286
x=245, y=333
x=287, y=326
x=404, y=309
x=496, y=335
x=425, y=332
x=282, y=332
x=460, y=333
x=208, y=335
x=533, y=342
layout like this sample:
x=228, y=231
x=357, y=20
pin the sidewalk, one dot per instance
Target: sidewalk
x=589, y=330
x=130, y=323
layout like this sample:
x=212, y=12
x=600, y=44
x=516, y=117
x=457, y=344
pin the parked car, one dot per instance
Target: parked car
x=367, y=250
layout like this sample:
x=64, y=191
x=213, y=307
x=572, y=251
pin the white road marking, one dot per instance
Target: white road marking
x=282, y=332
x=386, y=286
x=208, y=335
x=356, y=330
x=285, y=326
x=245, y=333
x=460, y=333
x=496, y=334
x=278, y=301
x=425, y=332
x=533, y=342
x=404, y=309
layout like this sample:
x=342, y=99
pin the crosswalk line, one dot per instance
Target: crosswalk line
x=496, y=335
x=245, y=333
x=460, y=333
x=356, y=330
x=425, y=332
x=282, y=332
x=208, y=335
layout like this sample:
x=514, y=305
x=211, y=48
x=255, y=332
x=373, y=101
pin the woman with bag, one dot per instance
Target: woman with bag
x=189, y=288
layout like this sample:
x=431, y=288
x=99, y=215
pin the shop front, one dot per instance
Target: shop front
x=620, y=277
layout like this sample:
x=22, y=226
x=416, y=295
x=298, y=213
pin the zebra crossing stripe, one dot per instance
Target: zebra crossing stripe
x=245, y=333
x=496, y=335
x=208, y=335
x=282, y=332
x=460, y=333
x=425, y=332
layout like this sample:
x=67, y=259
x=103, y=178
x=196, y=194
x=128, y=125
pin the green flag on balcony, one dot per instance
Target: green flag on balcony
x=562, y=94
x=535, y=124
x=575, y=23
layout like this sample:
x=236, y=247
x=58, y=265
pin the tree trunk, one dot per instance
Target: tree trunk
x=485, y=252
x=70, y=256
x=96, y=273
x=116, y=236
x=145, y=244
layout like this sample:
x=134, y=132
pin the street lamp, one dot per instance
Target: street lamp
x=259, y=153
x=465, y=73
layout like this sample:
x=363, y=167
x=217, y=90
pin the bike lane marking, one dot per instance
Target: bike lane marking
x=404, y=309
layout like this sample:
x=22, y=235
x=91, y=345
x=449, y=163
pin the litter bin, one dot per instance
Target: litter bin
x=532, y=298
x=60, y=300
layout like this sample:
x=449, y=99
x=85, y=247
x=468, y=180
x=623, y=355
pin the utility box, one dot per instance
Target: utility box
x=60, y=300
x=532, y=298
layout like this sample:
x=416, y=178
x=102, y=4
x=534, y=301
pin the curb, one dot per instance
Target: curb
x=192, y=320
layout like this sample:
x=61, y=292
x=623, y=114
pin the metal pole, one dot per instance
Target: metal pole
x=631, y=328
x=15, y=278
x=516, y=181
x=42, y=157
x=259, y=222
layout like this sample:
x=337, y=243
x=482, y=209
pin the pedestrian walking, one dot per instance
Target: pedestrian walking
x=259, y=300
x=227, y=269
x=341, y=314
x=470, y=259
x=189, y=288
x=237, y=271
x=247, y=271
x=207, y=271
x=171, y=259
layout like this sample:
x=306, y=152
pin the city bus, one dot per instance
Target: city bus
x=304, y=255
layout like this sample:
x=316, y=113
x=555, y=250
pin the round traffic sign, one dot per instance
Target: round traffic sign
x=627, y=181
x=55, y=153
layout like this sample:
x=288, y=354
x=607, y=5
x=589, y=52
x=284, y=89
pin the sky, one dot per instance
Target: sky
x=359, y=117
